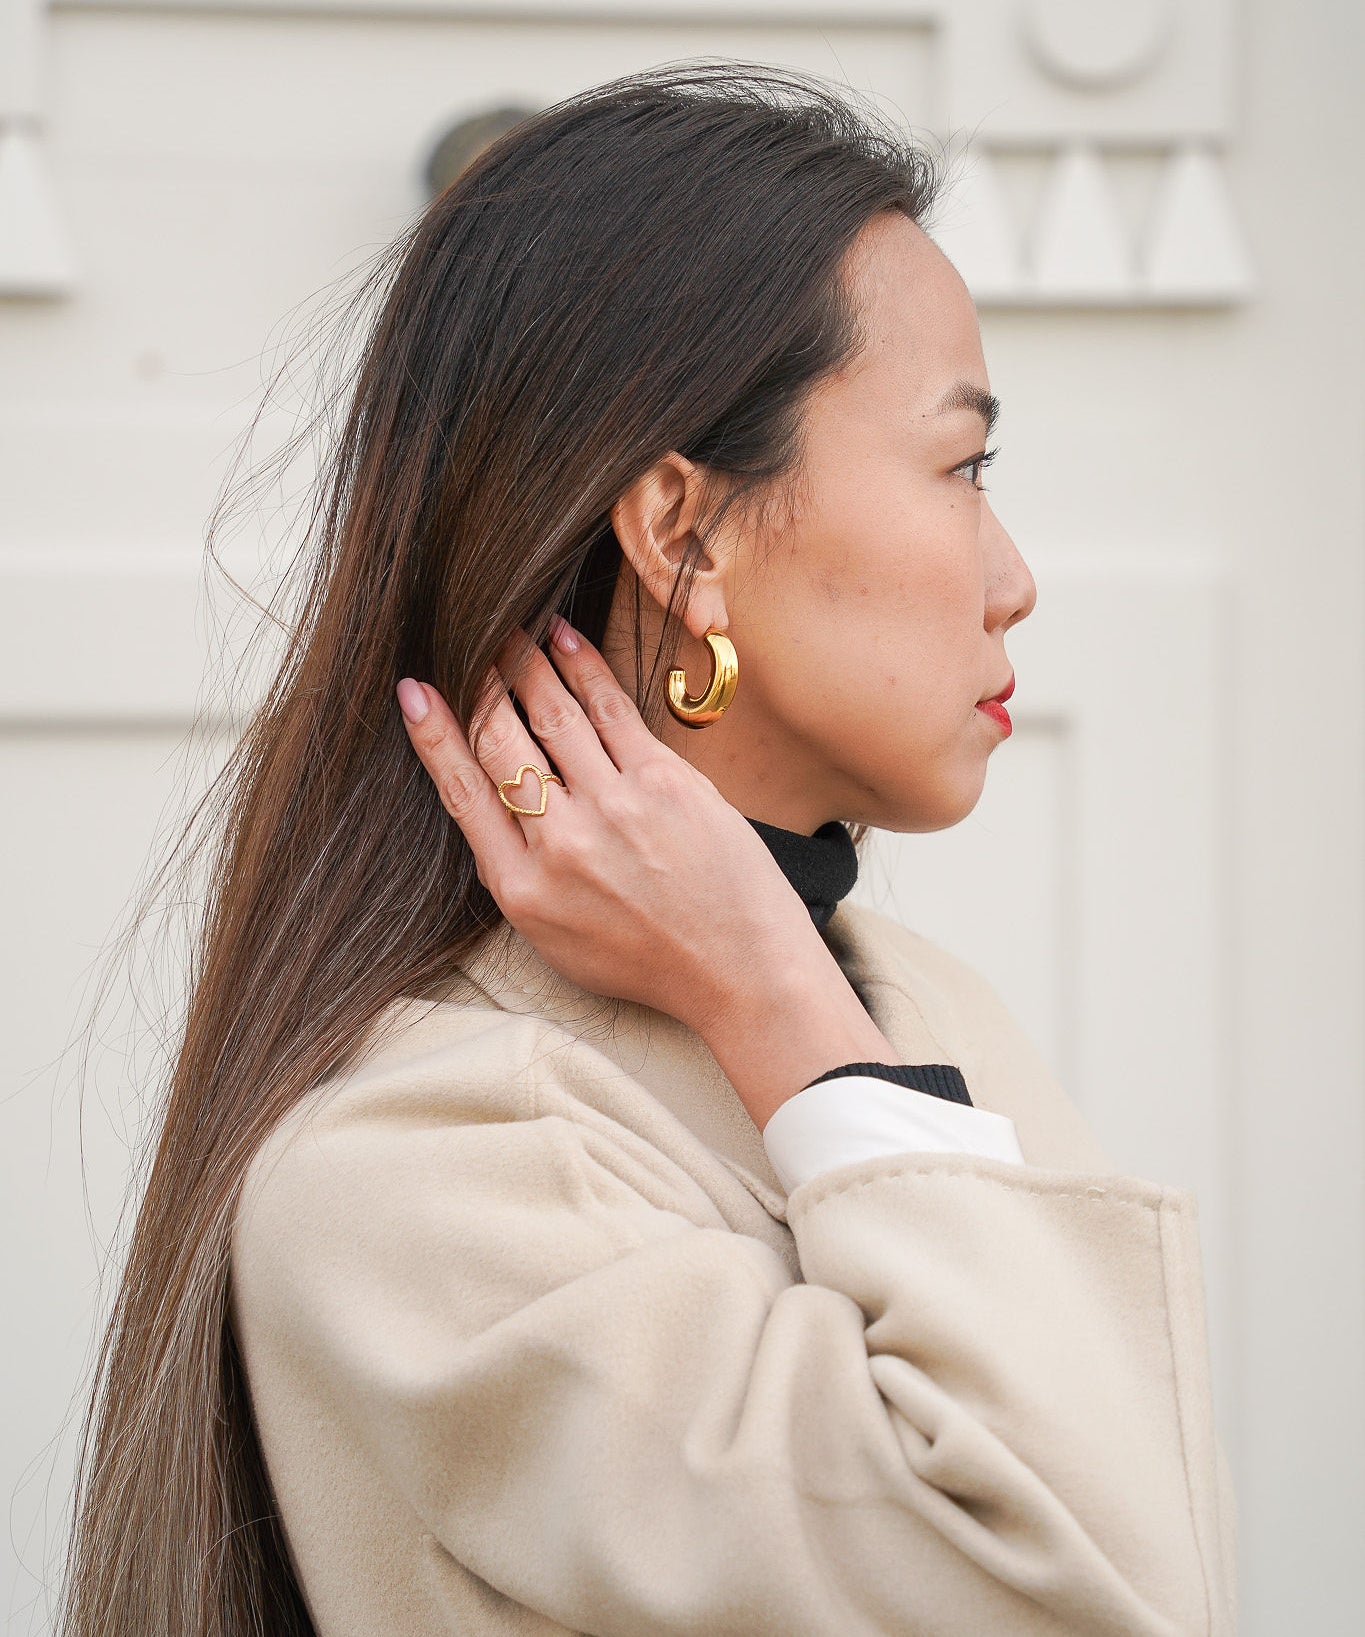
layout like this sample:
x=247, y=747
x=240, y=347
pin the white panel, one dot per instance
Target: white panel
x=382, y=86
x=21, y=57
x=115, y=637
x=972, y=227
x=993, y=889
x=80, y=813
x=35, y=253
x=1195, y=245
x=1021, y=66
x=767, y=12
x=1115, y=74
x=35, y=257
x=1091, y=888
x=1077, y=248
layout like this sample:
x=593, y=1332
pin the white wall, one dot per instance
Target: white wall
x=1165, y=873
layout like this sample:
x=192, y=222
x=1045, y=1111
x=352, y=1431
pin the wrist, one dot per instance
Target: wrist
x=790, y=1019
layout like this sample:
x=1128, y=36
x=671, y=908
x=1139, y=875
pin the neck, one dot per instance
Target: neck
x=752, y=757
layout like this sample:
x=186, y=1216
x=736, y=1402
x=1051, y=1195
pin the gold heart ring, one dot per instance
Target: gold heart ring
x=545, y=778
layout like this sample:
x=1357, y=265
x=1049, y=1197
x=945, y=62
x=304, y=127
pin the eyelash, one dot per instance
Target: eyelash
x=983, y=460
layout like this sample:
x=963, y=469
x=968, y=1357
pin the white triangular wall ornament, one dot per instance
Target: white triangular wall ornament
x=974, y=230
x=1194, y=249
x=1078, y=247
x=35, y=258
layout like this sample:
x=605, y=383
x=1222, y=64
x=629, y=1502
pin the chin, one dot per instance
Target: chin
x=921, y=811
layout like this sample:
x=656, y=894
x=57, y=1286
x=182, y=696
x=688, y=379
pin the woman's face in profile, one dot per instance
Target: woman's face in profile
x=870, y=625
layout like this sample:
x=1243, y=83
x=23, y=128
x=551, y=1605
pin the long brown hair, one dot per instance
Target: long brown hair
x=652, y=264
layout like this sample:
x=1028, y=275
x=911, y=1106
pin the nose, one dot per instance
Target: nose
x=1011, y=592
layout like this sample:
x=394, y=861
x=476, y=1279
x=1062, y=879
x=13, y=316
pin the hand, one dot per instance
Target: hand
x=639, y=880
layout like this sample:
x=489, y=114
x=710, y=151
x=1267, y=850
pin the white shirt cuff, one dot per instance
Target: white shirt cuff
x=856, y=1117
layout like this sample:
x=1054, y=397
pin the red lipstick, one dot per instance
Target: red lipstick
x=994, y=707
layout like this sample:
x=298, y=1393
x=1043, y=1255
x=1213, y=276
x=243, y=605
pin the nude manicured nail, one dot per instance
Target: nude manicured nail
x=563, y=635
x=412, y=699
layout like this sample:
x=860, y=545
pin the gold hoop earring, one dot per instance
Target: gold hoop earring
x=709, y=705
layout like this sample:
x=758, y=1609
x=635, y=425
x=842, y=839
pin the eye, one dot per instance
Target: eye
x=976, y=465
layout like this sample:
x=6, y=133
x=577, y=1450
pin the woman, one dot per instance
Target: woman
x=571, y=1213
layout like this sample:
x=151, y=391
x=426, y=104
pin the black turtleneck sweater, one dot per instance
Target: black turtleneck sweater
x=823, y=868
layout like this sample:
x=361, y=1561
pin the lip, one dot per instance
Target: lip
x=999, y=698
x=997, y=713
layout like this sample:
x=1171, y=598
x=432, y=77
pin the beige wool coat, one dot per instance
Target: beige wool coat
x=536, y=1343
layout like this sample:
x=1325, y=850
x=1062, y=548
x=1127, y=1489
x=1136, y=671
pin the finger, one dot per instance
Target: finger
x=555, y=718
x=504, y=747
x=614, y=715
x=467, y=793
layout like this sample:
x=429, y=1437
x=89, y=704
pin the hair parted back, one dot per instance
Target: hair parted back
x=651, y=264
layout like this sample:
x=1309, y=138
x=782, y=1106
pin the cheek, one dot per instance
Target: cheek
x=923, y=634
x=871, y=605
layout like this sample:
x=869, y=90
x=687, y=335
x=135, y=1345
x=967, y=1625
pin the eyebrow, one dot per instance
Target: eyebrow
x=967, y=395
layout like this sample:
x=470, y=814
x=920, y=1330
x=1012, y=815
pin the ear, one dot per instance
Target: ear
x=655, y=521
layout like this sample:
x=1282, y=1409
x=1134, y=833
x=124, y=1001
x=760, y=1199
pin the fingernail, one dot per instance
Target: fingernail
x=563, y=635
x=412, y=699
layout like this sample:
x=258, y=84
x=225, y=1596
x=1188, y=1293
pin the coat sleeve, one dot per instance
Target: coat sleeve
x=984, y=1408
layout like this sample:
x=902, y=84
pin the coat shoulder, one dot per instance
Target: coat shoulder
x=422, y=1073
x=1005, y=1068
